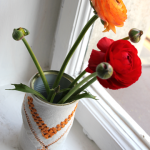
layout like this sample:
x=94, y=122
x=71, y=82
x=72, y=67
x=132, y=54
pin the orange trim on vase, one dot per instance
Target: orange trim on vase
x=46, y=131
x=44, y=147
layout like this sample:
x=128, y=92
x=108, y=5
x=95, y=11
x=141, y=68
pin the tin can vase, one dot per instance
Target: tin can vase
x=45, y=125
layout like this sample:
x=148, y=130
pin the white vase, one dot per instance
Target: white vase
x=45, y=125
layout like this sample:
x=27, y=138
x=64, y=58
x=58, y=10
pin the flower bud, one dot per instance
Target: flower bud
x=24, y=31
x=135, y=35
x=104, y=70
x=19, y=33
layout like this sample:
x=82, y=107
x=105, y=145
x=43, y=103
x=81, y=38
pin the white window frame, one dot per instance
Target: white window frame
x=104, y=121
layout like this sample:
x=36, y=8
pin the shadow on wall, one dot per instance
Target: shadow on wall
x=43, y=31
x=40, y=18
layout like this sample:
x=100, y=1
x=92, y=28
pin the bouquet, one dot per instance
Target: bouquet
x=115, y=65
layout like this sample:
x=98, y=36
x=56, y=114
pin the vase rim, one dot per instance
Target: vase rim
x=54, y=72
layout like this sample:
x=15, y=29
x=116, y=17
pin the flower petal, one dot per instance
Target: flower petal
x=95, y=59
x=113, y=12
x=104, y=44
x=122, y=56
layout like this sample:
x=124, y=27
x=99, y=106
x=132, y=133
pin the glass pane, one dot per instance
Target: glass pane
x=136, y=98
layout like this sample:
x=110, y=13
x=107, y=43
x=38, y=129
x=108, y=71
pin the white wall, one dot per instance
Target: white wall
x=40, y=18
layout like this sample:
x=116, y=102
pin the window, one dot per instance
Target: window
x=108, y=127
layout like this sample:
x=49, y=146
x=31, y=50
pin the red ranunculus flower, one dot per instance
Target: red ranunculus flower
x=122, y=56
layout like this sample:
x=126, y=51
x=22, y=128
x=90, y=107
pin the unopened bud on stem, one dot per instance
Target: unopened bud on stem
x=19, y=33
x=104, y=70
x=135, y=35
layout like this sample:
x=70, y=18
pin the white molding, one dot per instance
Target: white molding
x=64, y=30
x=68, y=29
x=121, y=113
x=82, y=17
x=109, y=126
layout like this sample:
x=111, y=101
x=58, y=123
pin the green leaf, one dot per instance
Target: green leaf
x=23, y=88
x=63, y=90
x=84, y=95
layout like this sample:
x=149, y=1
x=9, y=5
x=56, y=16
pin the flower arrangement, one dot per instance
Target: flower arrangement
x=116, y=65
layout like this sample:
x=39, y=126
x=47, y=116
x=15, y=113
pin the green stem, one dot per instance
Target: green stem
x=37, y=66
x=76, y=80
x=85, y=86
x=86, y=27
x=75, y=88
x=126, y=38
x=50, y=96
x=73, y=83
x=53, y=96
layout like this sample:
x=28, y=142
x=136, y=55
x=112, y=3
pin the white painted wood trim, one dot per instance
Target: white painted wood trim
x=64, y=31
x=105, y=121
x=68, y=29
x=83, y=15
x=110, y=125
x=121, y=113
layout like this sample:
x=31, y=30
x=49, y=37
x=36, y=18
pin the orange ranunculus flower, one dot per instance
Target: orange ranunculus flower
x=112, y=12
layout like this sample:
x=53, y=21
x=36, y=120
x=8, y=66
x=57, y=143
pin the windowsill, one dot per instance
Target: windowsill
x=11, y=121
x=105, y=116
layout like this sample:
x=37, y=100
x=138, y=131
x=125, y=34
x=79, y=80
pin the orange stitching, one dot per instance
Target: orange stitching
x=46, y=131
x=44, y=147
